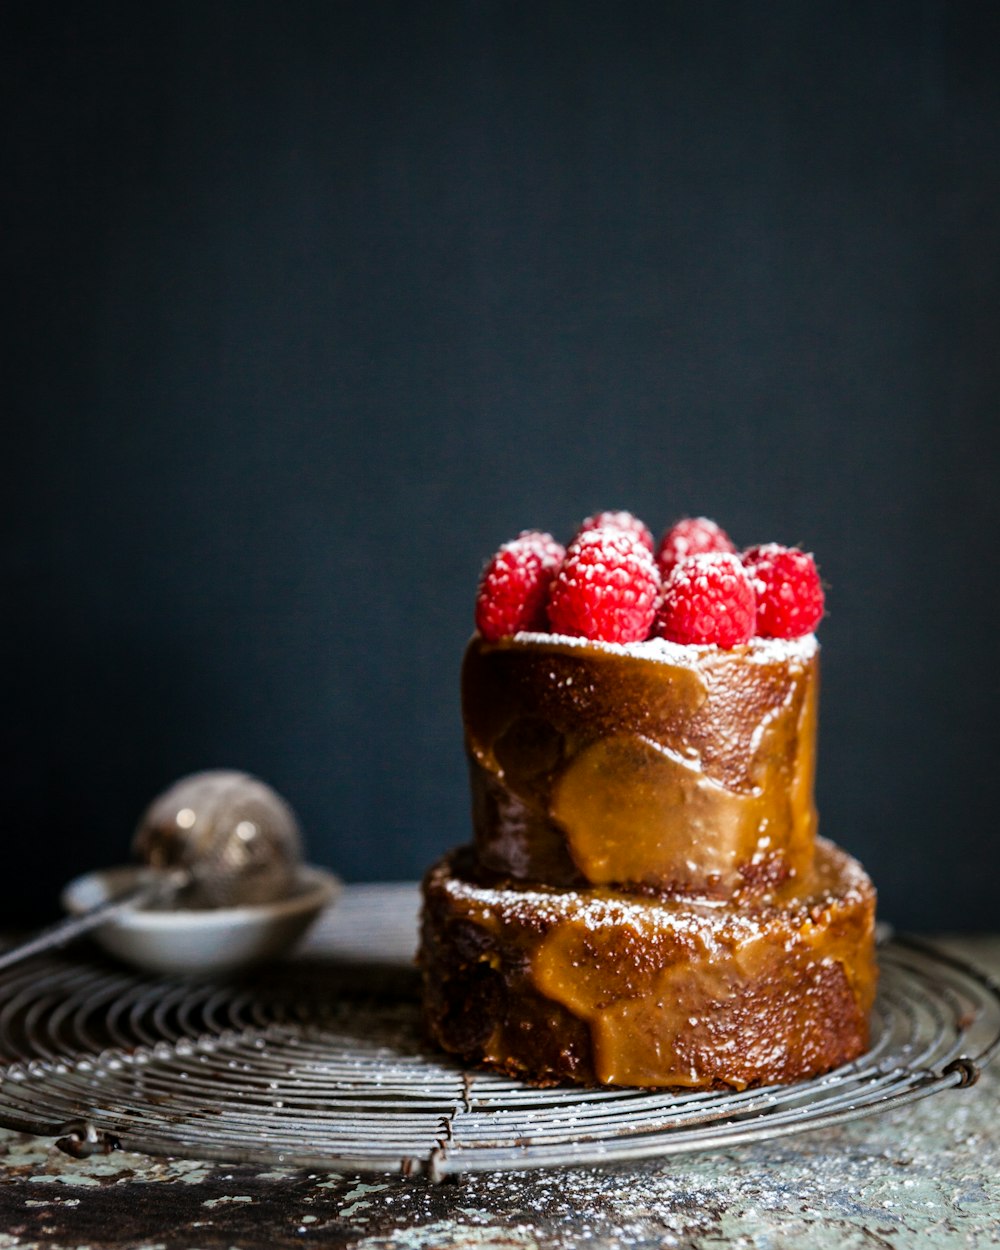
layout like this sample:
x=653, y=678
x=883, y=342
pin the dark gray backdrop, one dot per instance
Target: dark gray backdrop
x=310, y=305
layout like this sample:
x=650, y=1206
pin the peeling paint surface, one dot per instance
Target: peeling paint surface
x=926, y=1175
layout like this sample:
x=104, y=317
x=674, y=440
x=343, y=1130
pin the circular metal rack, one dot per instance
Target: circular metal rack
x=320, y=1063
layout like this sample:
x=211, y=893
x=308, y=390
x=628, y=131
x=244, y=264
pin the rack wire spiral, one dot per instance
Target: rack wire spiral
x=293, y=1067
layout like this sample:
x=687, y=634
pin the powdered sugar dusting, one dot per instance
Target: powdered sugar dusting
x=840, y=882
x=661, y=650
x=646, y=917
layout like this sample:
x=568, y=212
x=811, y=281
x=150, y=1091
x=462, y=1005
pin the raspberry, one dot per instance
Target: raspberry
x=789, y=594
x=606, y=589
x=515, y=585
x=688, y=537
x=708, y=598
x=619, y=521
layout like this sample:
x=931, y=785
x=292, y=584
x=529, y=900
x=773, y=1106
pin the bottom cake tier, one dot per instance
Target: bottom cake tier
x=600, y=987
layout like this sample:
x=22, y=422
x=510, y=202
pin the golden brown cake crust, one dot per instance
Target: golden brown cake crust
x=599, y=987
x=658, y=768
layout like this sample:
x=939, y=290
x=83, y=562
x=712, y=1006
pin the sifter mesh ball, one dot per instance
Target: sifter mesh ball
x=237, y=839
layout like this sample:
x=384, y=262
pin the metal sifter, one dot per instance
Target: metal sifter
x=217, y=839
x=227, y=839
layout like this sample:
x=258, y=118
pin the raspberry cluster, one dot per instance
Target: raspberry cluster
x=613, y=583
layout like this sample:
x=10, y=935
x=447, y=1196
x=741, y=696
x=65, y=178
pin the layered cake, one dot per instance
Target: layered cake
x=645, y=901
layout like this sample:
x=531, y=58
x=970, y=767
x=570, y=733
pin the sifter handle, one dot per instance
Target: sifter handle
x=68, y=930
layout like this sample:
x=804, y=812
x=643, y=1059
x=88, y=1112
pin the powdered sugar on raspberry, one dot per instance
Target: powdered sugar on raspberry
x=515, y=585
x=691, y=536
x=626, y=521
x=789, y=593
x=708, y=597
x=607, y=587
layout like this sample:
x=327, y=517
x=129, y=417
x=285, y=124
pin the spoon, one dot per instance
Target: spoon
x=213, y=840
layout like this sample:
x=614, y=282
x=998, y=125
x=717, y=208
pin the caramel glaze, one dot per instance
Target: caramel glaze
x=690, y=772
x=597, y=986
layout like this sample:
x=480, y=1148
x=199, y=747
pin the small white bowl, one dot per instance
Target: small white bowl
x=211, y=940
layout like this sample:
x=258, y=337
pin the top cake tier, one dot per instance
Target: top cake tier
x=654, y=766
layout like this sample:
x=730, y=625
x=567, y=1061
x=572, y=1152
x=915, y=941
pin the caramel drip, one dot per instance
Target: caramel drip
x=589, y=767
x=663, y=1010
x=671, y=822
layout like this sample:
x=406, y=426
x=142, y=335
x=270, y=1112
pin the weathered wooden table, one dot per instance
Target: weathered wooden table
x=927, y=1174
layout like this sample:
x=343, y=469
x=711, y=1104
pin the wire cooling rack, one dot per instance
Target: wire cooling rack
x=320, y=1063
